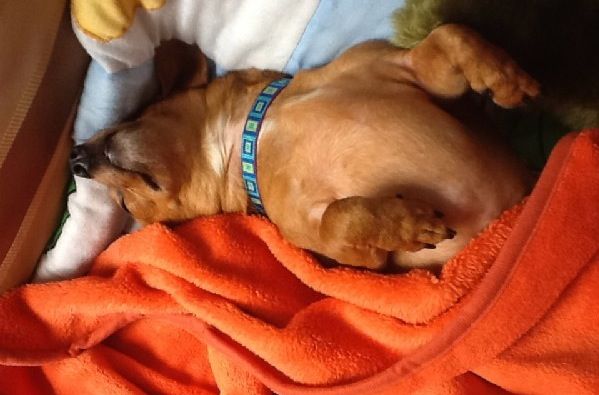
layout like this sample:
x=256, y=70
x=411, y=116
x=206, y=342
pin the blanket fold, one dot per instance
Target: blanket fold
x=224, y=304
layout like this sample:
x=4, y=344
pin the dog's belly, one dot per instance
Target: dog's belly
x=386, y=144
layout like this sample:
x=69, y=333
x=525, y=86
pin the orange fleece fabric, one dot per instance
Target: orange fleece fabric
x=225, y=305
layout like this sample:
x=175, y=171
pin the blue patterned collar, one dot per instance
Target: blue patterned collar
x=249, y=143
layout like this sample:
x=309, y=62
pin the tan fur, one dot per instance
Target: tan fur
x=337, y=146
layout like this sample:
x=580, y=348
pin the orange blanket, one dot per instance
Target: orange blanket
x=223, y=304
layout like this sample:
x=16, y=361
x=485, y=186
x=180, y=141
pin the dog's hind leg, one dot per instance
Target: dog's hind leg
x=361, y=231
x=454, y=58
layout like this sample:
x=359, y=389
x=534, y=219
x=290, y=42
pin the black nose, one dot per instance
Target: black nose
x=80, y=161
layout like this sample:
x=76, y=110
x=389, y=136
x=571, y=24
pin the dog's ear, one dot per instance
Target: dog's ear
x=180, y=66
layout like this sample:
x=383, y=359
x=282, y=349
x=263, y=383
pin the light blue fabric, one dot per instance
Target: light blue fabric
x=339, y=24
x=108, y=99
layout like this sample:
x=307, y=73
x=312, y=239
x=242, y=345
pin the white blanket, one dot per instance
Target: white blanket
x=234, y=33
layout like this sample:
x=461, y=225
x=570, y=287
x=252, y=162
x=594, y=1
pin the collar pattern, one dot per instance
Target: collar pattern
x=249, y=147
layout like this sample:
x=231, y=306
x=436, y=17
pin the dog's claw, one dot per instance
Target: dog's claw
x=451, y=233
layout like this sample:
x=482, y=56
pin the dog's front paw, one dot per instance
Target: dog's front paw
x=423, y=227
x=361, y=231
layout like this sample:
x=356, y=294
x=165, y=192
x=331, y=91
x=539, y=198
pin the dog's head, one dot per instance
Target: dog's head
x=147, y=163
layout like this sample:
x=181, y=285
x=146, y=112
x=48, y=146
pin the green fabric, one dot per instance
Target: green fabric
x=70, y=188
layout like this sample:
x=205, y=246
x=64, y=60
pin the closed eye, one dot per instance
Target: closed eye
x=150, y=181
x=146, y=178
x=123, y=205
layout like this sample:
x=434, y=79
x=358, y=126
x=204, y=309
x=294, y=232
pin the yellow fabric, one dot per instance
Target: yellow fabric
x=106, y=20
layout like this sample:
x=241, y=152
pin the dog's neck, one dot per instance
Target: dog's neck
x=229, y=100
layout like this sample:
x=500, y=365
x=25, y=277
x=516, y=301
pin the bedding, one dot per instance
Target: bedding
x=106, y=100
x=224, y=305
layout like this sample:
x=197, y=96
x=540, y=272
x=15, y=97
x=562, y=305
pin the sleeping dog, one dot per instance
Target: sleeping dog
x=357, y=160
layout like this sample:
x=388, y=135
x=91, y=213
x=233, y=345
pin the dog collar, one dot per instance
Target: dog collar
x=249, y=143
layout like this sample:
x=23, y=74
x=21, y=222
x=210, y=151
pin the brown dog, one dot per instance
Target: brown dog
x=356, y=160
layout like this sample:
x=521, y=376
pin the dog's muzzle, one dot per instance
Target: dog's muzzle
x=80, y=161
